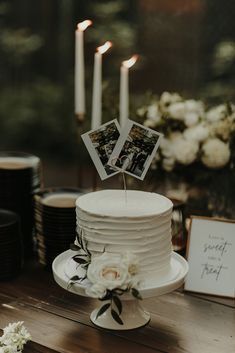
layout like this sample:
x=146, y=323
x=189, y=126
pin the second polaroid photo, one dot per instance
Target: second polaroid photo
x=135, y=149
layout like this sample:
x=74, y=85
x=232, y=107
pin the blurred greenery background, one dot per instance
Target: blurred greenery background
x=184, y=46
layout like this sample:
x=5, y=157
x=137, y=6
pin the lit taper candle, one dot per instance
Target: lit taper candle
x=96, y=115
x=124, y=89
x=80, y=105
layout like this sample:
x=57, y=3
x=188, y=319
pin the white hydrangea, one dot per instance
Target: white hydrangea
x=156, y=159
x=222, y=128
x=198, y=133
x=166, y=147
x=153, y=112
x=167, y=151
x=150, y=123
x=185, y=151
x=217, y=113
x=191, y=118
x=216, y=153
x=168, y=164
x=14, y=337
x=195, y=106
x=141, y=111
x=9, y=349
x=194, y=110
x=167, y=99
x=176, y=111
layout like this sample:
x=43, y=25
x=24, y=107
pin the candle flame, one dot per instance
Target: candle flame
x=83, y=25
x=103, y=48
x=129, y=63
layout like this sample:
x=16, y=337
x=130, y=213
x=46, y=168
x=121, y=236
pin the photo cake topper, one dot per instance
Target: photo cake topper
x=129, y=151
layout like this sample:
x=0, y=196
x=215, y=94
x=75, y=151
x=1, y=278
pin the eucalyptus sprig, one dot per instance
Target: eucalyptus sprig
x=115, y=303
x=82, y=258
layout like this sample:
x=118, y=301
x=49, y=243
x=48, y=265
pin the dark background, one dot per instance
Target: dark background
x=184, y=46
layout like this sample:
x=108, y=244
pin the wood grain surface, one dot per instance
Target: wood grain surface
x=181, y=322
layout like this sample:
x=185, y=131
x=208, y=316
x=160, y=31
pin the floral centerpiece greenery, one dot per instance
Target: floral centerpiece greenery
x=109, y=277
x=14, y=337
x=198, y=142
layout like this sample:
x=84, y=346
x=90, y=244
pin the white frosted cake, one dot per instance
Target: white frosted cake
x=138, y=221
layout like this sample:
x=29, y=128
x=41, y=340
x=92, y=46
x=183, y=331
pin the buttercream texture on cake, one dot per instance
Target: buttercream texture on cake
x=138, y=221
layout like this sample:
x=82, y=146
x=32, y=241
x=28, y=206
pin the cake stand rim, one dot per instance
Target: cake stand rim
x=79, y=289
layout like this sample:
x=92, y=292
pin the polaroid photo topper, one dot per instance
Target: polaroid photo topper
x=100, y=144
x=135, y=149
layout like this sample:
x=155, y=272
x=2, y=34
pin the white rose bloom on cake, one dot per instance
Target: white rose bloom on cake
x=216, y=153
x=110, y=271
x=96, y=290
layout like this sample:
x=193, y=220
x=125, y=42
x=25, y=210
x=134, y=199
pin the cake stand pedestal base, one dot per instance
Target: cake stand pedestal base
x=132, y=316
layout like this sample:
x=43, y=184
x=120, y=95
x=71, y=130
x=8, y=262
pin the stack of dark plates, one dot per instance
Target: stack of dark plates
x=20, y=176
x=11, y=255
x=55, y=221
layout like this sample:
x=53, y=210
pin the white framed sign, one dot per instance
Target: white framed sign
x=211, y=256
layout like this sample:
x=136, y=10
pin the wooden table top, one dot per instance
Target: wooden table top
x=59, y=321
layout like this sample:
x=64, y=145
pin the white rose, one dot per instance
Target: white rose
x=168, y=98
x=197, y=133
x=232, y=116
x=176, y=135
x=177, y=111
x=223, y=129
x=15, y=339
x=132, y=262
x=109, y=271
x=153, y=113
x=166, y=148
x=141, y=111
x=193, y=111
x=97, y=290
x=150, y=123
x=9, y=349
x=185, y=151
x=155, y=161
x=191, y=118
x=195, y=106
x=216, y=153
x=217, y=113
x=168, y=164
x=15, y=335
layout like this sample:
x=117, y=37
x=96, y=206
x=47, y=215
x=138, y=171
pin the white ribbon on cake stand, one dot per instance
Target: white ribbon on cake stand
x=133, y=314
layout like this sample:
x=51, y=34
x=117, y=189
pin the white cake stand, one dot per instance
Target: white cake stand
x=133, y=314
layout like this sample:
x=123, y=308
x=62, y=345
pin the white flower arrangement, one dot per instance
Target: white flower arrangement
x=109, y=275
x=14, y=337
x=192, y=133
